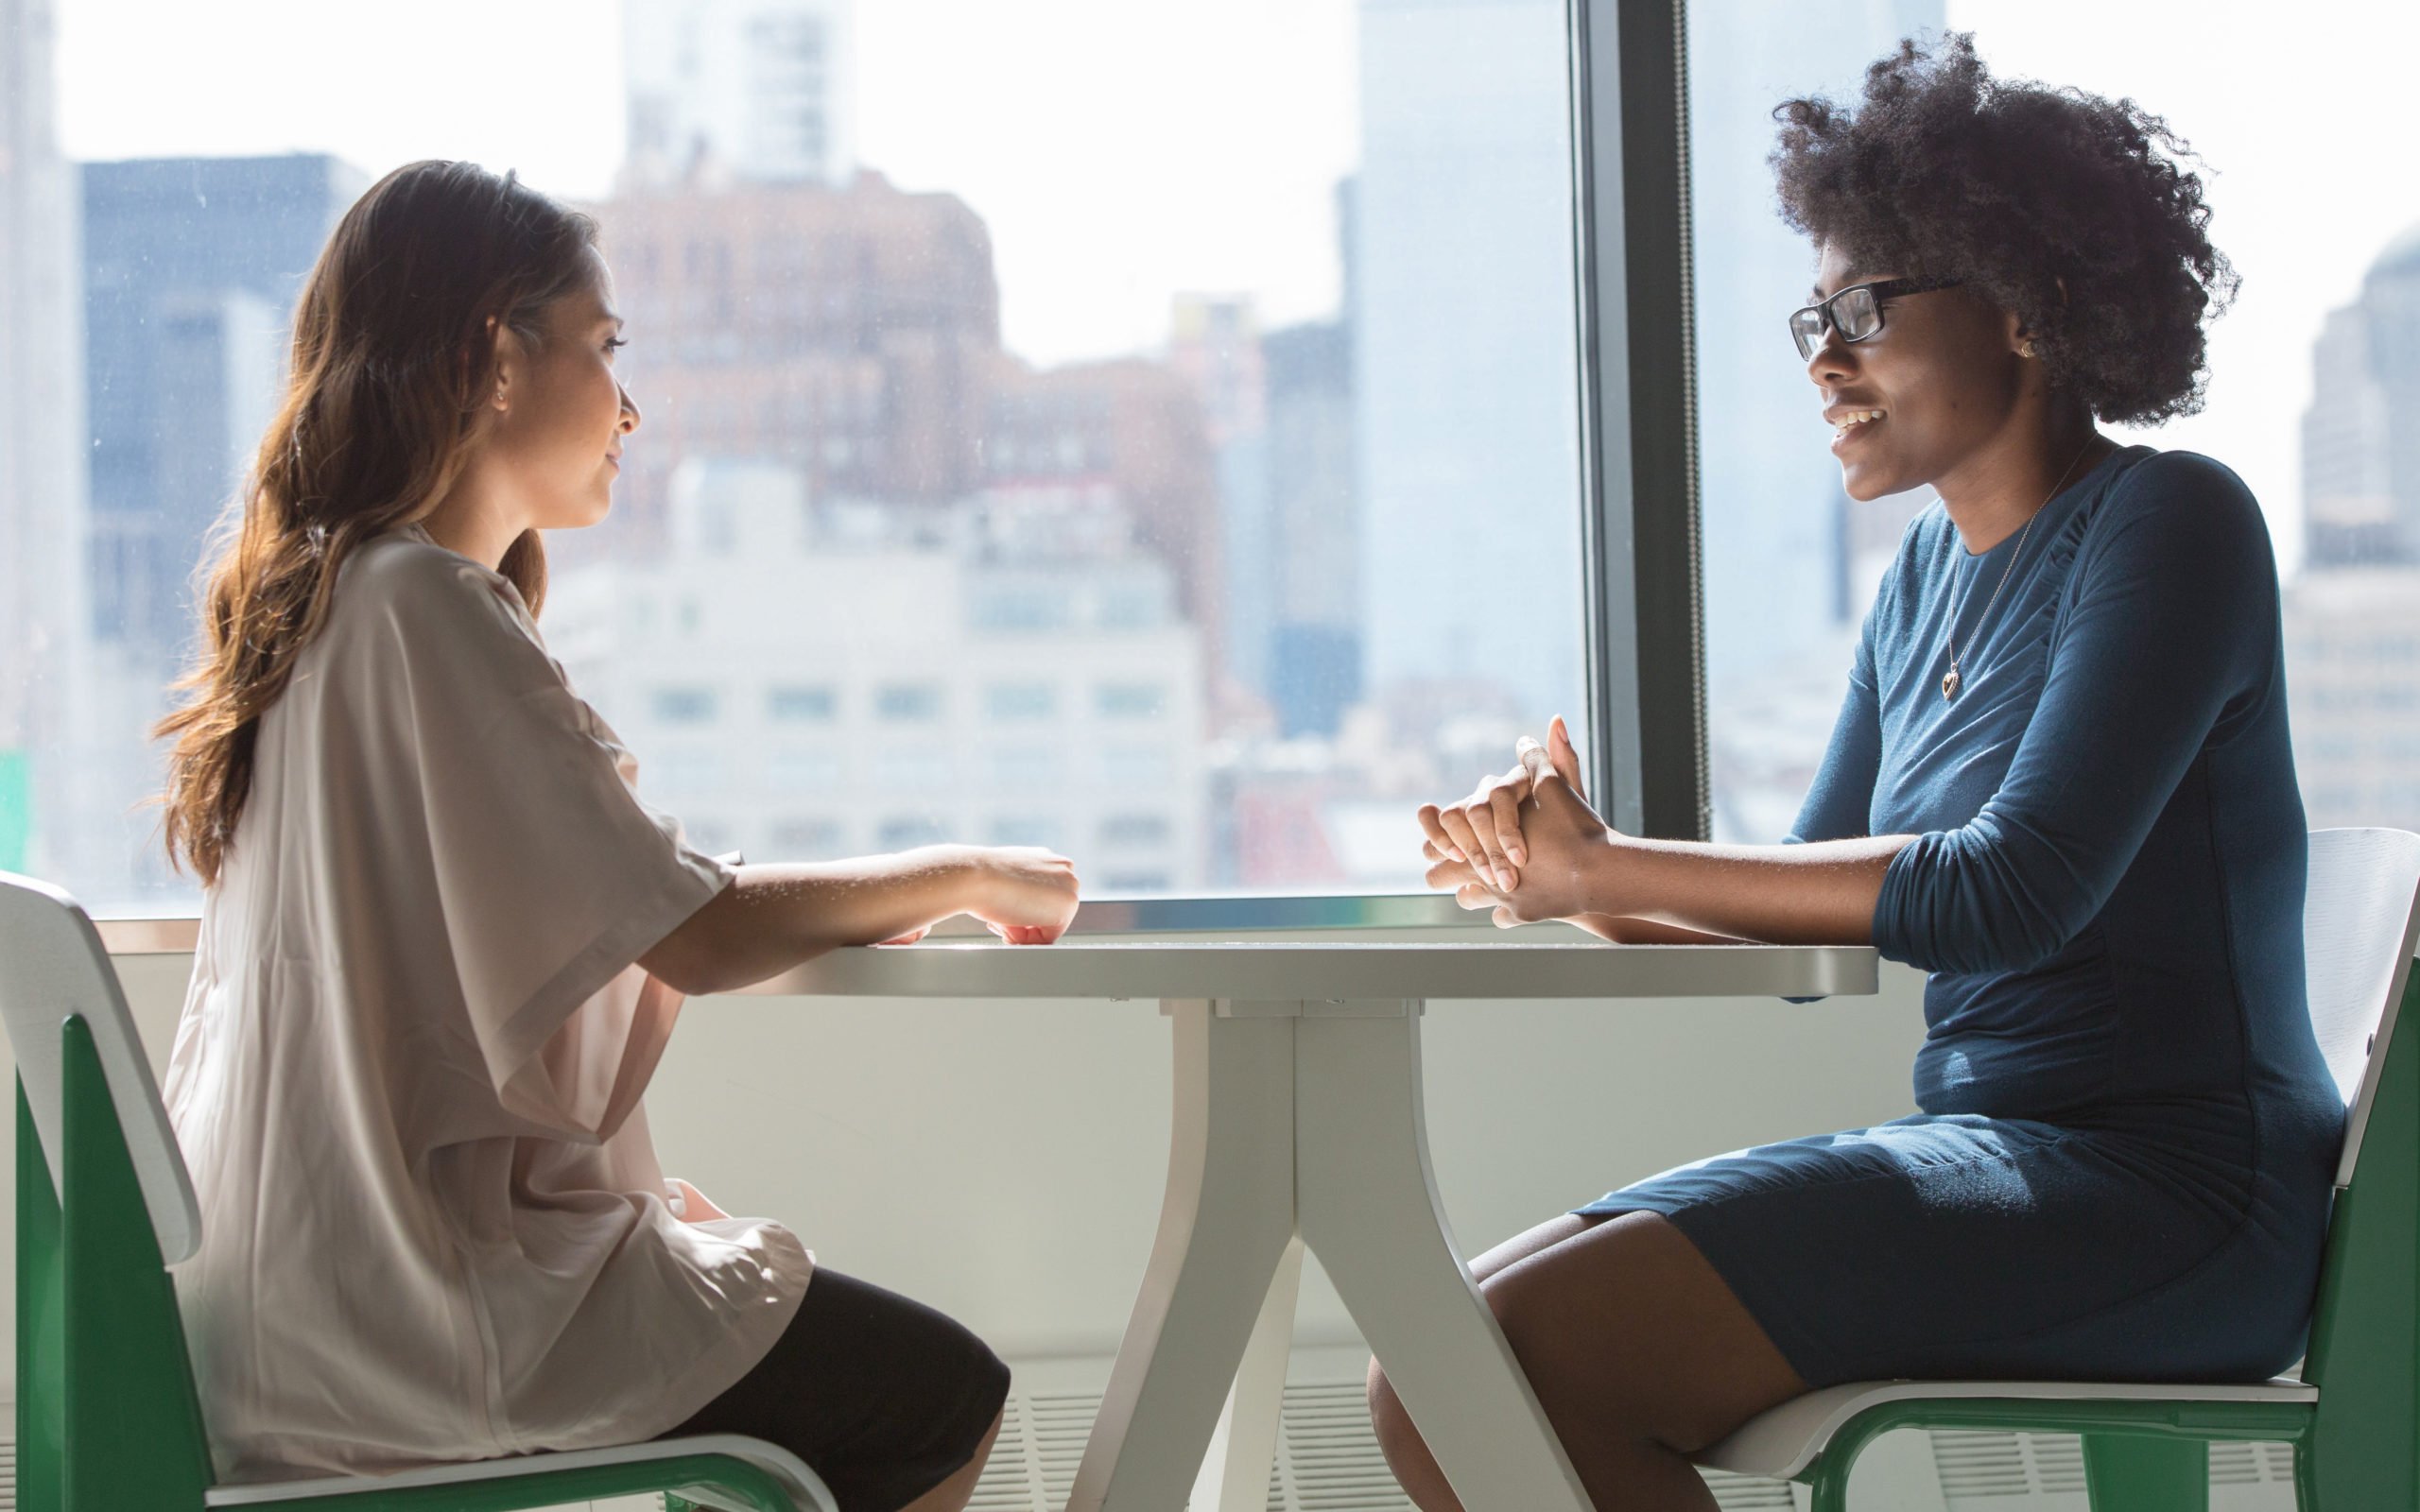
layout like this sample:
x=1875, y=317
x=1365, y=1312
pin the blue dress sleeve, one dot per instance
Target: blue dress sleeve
x=2170, y=620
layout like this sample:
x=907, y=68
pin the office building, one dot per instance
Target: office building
x=1215, y=346
x=1786, y=555
x=810, y=680
x=1789, y=561
x=1134, y=427
x=1313, y=627
x=758, y=90
x=2361, y=433
x=2351, y=615
x=192, y=266
x=1464, y=359
x=42, y=638
x=851, y=333
x=2353, y=689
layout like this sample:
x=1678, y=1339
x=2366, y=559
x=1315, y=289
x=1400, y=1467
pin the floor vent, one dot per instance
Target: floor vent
x=1979, y=1469
x=1978, y=1466
x=1327, y=1457
x=1749, y=1493
x=2244, y=1463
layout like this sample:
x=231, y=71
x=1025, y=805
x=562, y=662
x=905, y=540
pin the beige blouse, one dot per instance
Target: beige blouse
x=409, y=1072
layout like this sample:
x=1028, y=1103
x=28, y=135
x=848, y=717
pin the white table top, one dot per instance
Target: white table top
x=1265, y=972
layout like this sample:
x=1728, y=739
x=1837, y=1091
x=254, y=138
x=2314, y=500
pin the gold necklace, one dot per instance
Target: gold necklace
x=1950, y=680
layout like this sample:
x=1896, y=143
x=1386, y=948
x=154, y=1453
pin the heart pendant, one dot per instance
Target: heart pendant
x=1949, y=683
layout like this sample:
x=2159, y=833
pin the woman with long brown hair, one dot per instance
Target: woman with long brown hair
x=443, y=942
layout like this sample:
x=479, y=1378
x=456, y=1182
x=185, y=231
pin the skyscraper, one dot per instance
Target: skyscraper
x=1464, y=351
x=848, y=332
x=2361, y=433
x=757, y=89
x=192, y=266
x=2351, y=615
x=41, y=484
x=1783, y=545
x=1313, y=633
x=1215, y=345
x=1790, y=562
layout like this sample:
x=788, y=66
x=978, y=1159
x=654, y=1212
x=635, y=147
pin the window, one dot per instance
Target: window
x=907, y=703
x=683, y=706
x=903, y=832
x=804, y=768
x=927, y=415
x=915, y=768
x=1132, y=766
x=1023, y=828
x=1125, y=830
x=1017, y=769
x=801, y=705
x=683, y=771
x=804, y=840
x=2311, y=390
x=1129, y=700
x=1015, y=702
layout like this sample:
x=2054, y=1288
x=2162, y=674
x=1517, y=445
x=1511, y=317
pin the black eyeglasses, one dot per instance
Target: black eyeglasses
x=1855, y=312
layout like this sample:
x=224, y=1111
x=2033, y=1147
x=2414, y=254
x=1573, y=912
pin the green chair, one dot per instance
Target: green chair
x=107, y=1417
x=2352, y=1415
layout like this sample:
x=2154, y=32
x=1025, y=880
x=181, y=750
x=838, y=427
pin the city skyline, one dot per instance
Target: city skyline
x=1084, y=277
x=1236, y=448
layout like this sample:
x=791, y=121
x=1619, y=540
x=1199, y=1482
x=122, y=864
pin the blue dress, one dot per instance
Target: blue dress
x=2122, y=1166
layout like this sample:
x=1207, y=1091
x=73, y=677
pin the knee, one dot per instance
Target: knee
x=1392, y=1425
x=1578, y=1373
x=1406, y=1453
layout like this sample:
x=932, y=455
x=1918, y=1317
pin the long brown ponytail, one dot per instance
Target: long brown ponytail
x=392, y=356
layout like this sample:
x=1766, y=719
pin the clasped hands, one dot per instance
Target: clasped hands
x=1524, y=844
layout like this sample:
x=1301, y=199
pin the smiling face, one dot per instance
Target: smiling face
x=1922, y=397
x=556, y=440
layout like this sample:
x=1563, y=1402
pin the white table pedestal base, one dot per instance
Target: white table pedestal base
x=1298, y=1122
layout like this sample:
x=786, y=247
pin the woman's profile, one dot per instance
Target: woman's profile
x=2061, y=782
x=443, y=942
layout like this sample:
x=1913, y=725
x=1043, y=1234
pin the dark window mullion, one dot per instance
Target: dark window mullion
x=1646, y=663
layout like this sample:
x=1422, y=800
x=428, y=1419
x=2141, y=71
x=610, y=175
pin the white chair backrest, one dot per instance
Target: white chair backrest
x=2361, y=925
x=52, y=964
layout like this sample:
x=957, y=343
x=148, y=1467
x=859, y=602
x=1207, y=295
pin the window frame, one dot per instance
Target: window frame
x=1638, y=515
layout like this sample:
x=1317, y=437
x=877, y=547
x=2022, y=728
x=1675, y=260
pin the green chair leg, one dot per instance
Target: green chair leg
x=2128, y=1473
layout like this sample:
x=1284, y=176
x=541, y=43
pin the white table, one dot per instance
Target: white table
x=1298, y=1122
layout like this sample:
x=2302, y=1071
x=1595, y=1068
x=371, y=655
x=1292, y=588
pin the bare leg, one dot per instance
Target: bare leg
x=959, y=1489
x=1638, y=1351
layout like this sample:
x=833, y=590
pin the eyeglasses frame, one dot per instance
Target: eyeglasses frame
x=1889, y=288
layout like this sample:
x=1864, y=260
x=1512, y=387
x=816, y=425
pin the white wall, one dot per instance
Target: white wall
x=1002, y=1161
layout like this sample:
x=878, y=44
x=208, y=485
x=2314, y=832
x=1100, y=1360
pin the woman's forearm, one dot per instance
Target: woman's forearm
x=1818, y=894
x=773, y=917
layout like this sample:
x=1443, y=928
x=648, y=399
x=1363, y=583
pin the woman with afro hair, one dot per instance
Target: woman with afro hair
x=2061, y=783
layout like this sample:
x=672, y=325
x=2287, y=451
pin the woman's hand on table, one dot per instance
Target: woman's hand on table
x=1023, y=894
x=1568, y=848
x=1483, y=831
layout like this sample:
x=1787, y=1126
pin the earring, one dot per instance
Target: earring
x=2026, y=349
